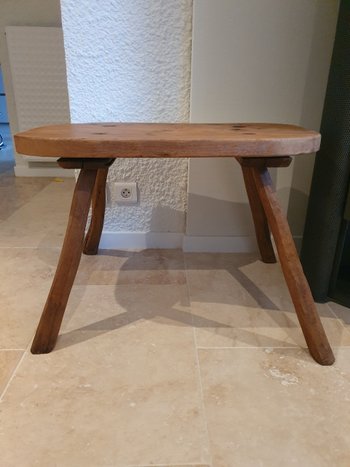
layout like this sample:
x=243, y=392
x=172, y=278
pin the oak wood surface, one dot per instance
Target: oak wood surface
x=276, y=161
x=262, y=230
x=113, y=140
x=261, y=226
x=255, y=146
x=51, y=318
x=83, y=163
x=299, y=289
x=92, y=238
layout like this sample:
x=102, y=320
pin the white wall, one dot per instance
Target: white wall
x=22, y=13
x=255, y=60
x=129, y=60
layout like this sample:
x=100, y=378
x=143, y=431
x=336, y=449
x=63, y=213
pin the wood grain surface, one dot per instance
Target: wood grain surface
x=113, y=140
x=261, y=225
x=92, y=238
x=298, y=286
x=51, y=318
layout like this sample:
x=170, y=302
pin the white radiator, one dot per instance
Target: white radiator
x=38, y=71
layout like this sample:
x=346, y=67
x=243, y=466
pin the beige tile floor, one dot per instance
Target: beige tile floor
x=164, y=359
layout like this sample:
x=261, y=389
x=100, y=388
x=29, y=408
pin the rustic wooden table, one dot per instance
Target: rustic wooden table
x=94, y=147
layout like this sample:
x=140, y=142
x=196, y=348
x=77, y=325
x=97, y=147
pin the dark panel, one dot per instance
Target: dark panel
x=332, y=169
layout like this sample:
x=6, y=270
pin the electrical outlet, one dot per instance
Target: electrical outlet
x=125, y=192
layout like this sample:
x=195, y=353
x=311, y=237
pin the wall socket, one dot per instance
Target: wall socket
x=125, y=192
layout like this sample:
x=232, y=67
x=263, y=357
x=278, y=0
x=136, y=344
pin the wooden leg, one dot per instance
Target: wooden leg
x=51, y=319
x=299, y=289
x=93, y=235
x=262, y=230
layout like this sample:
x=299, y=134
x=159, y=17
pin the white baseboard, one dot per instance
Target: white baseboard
x=142, y=240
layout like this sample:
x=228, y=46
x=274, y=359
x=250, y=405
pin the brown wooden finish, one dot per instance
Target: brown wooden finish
x=93, y=235
x=265, y=161
x=50, y=322
x=113, y=140
x=262, y=230
x=298, y=287
x=255, y=146
x=85, y=163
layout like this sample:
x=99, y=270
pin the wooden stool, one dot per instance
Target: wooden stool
x=94, y=147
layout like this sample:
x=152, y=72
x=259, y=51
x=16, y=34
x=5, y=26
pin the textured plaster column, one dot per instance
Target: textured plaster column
x=129, y=60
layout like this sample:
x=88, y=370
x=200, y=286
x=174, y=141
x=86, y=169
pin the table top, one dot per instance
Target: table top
x=158, y=140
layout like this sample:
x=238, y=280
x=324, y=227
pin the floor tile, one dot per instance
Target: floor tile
x=8, y=361
x=136, y=311
x=115, y=267
x=121, y=387
x=238, y=301
x=25, y=279
x=41, y=222
x=273, y=407
x=16, y=192
x=342, y=313
x=171, y=465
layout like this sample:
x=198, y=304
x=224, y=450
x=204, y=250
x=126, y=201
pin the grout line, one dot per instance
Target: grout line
x=30, y=247
x=199, y=376
x=338, y=319
x=342, y=346
x=12, y=376
x=166, y=465
x=12, y=350
x=333, y=313
x=250, y=347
